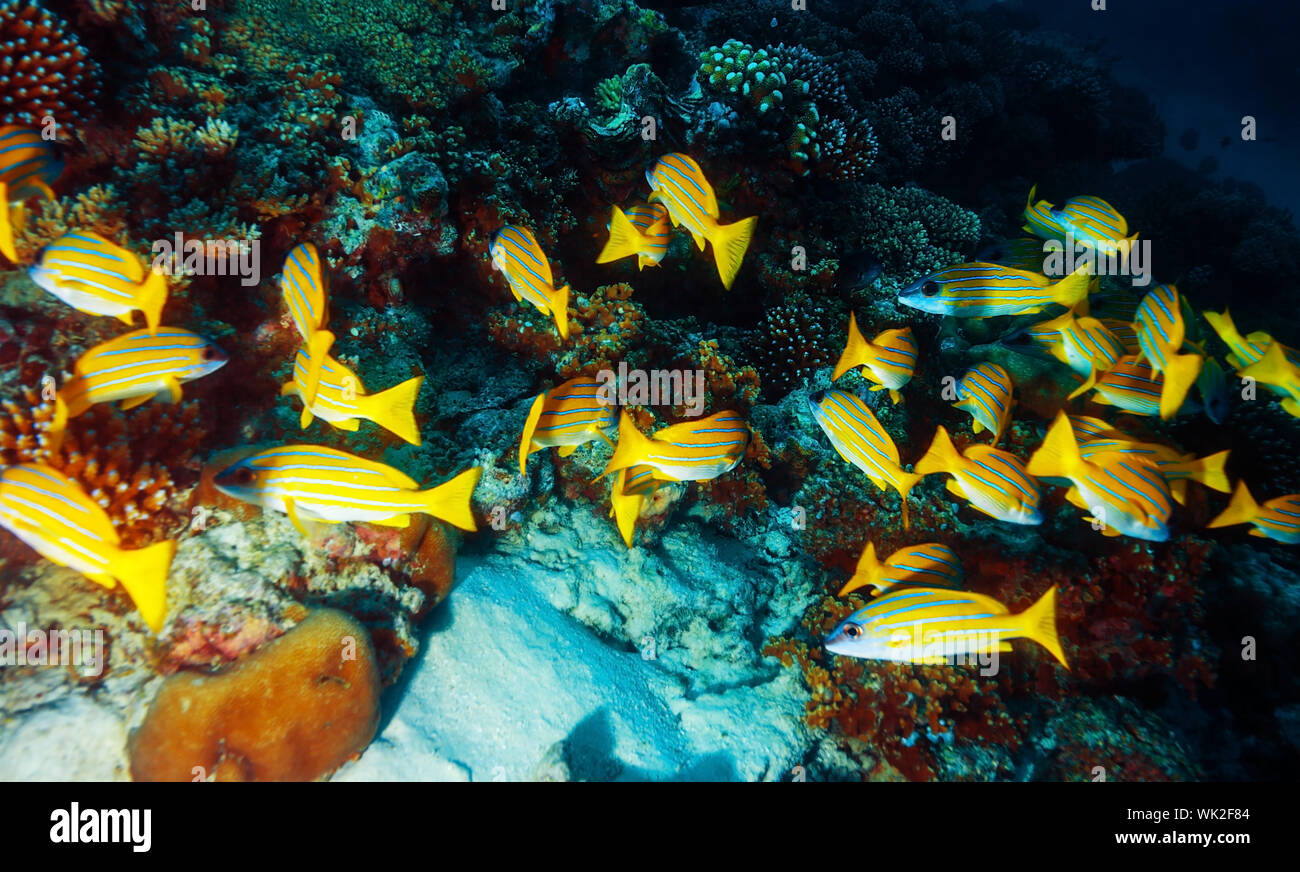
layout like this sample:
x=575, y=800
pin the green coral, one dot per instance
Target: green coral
x=755, y=74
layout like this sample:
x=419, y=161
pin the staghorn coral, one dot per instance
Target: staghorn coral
x=44, y=70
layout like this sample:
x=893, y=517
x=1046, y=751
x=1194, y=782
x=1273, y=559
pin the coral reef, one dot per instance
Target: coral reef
x=45, y=71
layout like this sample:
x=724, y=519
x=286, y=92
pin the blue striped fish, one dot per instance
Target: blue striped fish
x=315, y=483
x=1244, y=350
x=859, y=438
x=92, y=275
x=1126, y=494
x=1091, y=221
x=678, y=182
x=993, y=481
x=928, y=565
x=931, y=625
x=53, y=515
x=1132, y=386
x=134, y=368
x=516, y=253
x=985, y=393
x=29, y=164
x=983, y=290
x=304, y=283
x=691, y=451
x=888, y=360
x=567, y=416
x=1125, y=332
x=1086, y=346
x=1280, y=374
x=1161, y=333
x=642, y=231
x=1173, y=465
x=633, y=485
x=341, y=399
x=1278, y=518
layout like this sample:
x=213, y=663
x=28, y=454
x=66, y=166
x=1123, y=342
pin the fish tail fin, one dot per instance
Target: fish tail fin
x=1212, y=472
x=394, y=409
x=1038, y=622
x=1088, y=384
x=626, y=507
x=559, y=304
x=1073, y=289
x=855, y=350
x=1242, y=509
x=1033, y=191
x=1058, y=456
x=58, y=424
x=450, y=500
x=1224, y=326
x=1272, y=369
x=624, y=238
x=632, y=445
x=730, y=241
x=150, y=298
x=530, y=427
x=6, y=227
x=1180, y=374
x=867, y=572
x=143, y=572
x=940, y=456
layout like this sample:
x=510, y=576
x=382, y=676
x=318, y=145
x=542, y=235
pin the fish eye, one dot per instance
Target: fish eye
x=209, y=352
x=244, y=475
x=853, y=631
x=930, y=288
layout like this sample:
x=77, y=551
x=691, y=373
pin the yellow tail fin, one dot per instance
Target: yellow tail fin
x=1038, y=622
x=394, y=409
x=624, y=238
x=6, y=227
x=867, y=572
x=450, y=500
x=150, y=299
x=1058, y=456
x=730, y=241
x=632, y=447
x=1212, y=472
x=941, y=456
x=1242, y=509
x=1180, y=375
x=1071, y=290
x=143, y=572
x=855, y=350
x=1274, y=368
x=530, y=426
x=559, y=304
x=626, y=507
x=1222, y=324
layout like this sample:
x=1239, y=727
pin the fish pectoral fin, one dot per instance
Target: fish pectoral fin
x=566, y=450
x=895, y=396
x=131, y=402
x=173, y=389
x=291, y=509
x=976, y=426
x=288, y=388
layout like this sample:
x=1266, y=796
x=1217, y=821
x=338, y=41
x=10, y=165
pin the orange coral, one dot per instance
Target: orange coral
x=44, y=70
x=294, y=709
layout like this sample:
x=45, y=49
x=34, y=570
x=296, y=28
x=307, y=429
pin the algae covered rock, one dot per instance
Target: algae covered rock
x=293, y=710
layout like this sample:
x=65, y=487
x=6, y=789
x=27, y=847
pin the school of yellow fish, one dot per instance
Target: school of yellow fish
x=1143, y=365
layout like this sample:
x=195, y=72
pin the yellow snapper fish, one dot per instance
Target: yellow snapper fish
x=930, y=625
x=92, y=275
x=888, y=360
x=983, y=290
x=1126, y=493
x=1278, y=518
x=642, y=231
x=53, y=515
x=315, y=483
x=29, y=164
x=1161, y=333
x=1130, y=385
x=1278, y=372
x=678, y=182
x=985, y=393
x=341, y=399
x=305, y=286
x=1091, y=221
x=633, y=485
x=134, y=368
x=928, y=565
x=521, y=260
x=1086, y=345
x=991, y=480
x=858, y=437
x=1096, y=437
x=691, y=451
x=567, y=416
x=1244, y=350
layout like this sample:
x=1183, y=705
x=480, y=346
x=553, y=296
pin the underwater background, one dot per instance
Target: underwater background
x=420, y=198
